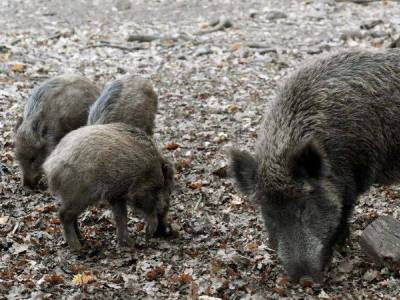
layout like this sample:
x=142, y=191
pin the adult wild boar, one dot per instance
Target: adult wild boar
x=56, y=107
x=112, y=162
x=332, y=131
x=130, y=99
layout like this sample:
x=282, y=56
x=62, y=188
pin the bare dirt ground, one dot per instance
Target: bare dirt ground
x=212, y=89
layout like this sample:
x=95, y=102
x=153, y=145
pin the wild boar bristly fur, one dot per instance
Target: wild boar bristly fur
x=56, y=107
x=332, y=131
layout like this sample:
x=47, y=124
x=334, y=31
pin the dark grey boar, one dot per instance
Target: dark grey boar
x=56, y=107
x=332, y=131
x=130, y=99
x=115, y=163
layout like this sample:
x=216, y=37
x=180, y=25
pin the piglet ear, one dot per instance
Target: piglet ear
x=307, y=161
x=18, y=123
x=243, y=168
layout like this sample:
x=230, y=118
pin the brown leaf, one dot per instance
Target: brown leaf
x=172, y=146
x=139, y=227
x=55, y=221
x=174, y=278
x=54, y=279
x=194, y=185
x=236, y=46
x=77, y=268
x=47, y=208
x=253, y=246
x=51, y=229
x=280, y=291
x=283, y=280
x=182, y=164
x=157, y=272
x=232, y=108
x=18, y=68
x=185, y=278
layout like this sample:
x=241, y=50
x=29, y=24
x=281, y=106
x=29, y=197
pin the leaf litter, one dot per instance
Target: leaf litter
x=214, y=65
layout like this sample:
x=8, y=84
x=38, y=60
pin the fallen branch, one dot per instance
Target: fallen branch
x=262, y=49
x=150, y=38
x=124, y=48
x=358, y=1
x=218, y=25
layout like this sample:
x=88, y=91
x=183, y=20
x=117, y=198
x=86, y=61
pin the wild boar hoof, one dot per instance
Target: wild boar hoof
x=166, y=232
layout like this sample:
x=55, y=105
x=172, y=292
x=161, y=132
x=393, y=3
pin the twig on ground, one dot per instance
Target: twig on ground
x=143, y=38
x=124, y=48
x=148, y=38
x=220, y=24
x=358, y=1
x=262, y=49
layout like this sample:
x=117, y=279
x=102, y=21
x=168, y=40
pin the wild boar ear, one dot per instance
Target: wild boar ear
x=307, y=161
x=243, y=168
x=43, y=130
x=18, y=123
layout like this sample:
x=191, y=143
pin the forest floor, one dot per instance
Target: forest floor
x=212, y=88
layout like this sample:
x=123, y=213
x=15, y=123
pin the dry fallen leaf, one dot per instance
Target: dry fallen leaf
x=232, y=108
x=4, y=220
x=18, y=68
x=185, y=278
x=83, y=278
x=172, y=146
x=47, y=208
x=280, y=291
x=54, y=221
x=323, y=295
x=283, y=280
x=194, y=185
x=371, y=275
x=236, y=46
x=236, y=200
x=5, y=56
x=139, y=227
x=182, y=164
x=157, y=272
x=253, y=246
x=54, y=279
